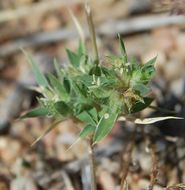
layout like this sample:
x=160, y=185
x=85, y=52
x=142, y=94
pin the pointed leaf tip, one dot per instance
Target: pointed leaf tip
x=37, y=112
x=40, y=78
x=46, y=132
x=122, y=47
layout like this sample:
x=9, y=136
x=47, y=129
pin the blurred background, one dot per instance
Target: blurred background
x=45, y=29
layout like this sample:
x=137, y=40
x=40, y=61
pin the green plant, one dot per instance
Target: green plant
x=93, y=94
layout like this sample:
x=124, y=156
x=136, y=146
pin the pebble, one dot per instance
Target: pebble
x=23, y=183
x=10, y=149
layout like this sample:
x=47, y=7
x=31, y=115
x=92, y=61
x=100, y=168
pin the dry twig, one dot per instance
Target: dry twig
x=154, y=171
x=132, y=25
x=127, y=160
x=37, y=8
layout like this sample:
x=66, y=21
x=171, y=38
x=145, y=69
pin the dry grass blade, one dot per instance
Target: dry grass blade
x=46, y=132
x=180, y=186
x=147, y=121
x=154, y=172
x=78, y=26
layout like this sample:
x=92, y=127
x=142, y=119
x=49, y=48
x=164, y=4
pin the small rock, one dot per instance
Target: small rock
x=23, y=183
x=174, y=69
x=10, y=149
x=52, y=22
x=144, y=159
x=106, y=180
x=177, y=87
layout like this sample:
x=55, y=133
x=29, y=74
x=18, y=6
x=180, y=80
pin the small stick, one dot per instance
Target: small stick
x=92, y=32
x=154, y=171
x=128, y=152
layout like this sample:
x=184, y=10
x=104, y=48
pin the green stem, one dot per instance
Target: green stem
x=92, y=33
x=92, y=165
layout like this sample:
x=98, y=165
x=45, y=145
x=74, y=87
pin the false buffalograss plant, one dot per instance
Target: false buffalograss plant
x=93, y=94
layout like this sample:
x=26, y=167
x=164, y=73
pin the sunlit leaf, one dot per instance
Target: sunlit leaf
x=136, y=78
x=150, y=63
x=81, y=48
x=40, y=78
x=148, y=70
x=101, y=93
x=87, y=118
x=58, y=70
x=73, y=58
x=105, y=124
x=58, y=87
x=87, y=130
x=142, y=89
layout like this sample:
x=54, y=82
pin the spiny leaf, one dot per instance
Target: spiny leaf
x=79, y=89
x=151, y=62
x=87, y=130
x=81, y=48
x=148, y=70
x=40, y=78
x=59, y=88
x=85, y=79
x=142, y=89
x=57, y=69
x=141, y=106
x=73, y=58
x=122, y=47
x=136, y=77
x=37, y=112
x=46, y=131
x=101, y=93
x=86, y=118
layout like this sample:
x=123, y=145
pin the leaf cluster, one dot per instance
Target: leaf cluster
x=95, y=95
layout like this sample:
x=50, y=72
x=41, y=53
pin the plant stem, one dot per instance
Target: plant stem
x=92, y=165
x=92, y=32
x=96, y=61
